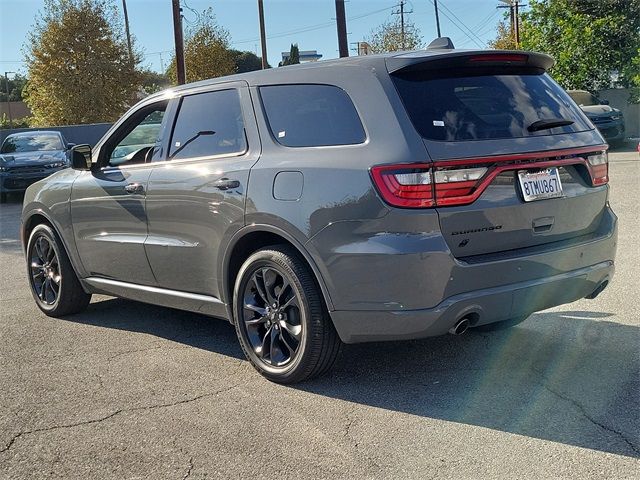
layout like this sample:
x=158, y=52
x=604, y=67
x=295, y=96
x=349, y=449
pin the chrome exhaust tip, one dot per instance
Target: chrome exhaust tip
x=460, y=327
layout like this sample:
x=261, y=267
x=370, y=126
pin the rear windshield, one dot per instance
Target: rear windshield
x=476, y=107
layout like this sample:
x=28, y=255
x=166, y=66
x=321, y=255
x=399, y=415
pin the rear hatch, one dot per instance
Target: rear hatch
x=514, y=163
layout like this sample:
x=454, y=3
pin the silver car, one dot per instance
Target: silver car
x=373, y=198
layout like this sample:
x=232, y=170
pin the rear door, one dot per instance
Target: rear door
x=196, y=197
x=515, y=162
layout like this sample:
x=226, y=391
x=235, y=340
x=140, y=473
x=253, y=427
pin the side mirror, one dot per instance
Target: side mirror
x=70, y=146
x=81, y=157
x=605, y=102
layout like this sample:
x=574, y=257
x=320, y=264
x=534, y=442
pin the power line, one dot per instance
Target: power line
x=462, y=23
x=458, y=26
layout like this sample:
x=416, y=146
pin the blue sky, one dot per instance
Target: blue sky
x=310, y=23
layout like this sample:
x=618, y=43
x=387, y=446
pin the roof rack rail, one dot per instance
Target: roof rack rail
x=441, y=43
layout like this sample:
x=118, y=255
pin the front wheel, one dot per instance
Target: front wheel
x=54, y=284
x=281, y=321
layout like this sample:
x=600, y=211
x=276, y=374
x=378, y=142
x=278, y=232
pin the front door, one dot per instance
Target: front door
x=196, y=196
x=108, y=203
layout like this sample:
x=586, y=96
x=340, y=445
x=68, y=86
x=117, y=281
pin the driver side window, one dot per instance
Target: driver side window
x=138, y=140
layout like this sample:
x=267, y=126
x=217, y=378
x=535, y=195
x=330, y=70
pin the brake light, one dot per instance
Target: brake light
x=599, y=168
x=500, y=57
x=407, y=185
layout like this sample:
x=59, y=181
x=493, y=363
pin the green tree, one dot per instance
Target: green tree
x=505, y=39
x=246, y=61
x=293, y=58
x=590, y=40
x=206, y=51
x=389, y=37
x=152, y=82
x=78, y=63
x=16, y=85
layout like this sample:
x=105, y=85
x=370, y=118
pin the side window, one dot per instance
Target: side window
x=209, y=124
x=136, y=141
x=311, y=115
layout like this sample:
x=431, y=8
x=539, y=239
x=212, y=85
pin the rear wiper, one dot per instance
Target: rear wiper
x=549, y=123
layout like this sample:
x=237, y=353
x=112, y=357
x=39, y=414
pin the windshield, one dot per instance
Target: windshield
x=467, y=106
x=31, y=143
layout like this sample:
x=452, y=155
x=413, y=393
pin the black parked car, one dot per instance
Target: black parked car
x=27, y=157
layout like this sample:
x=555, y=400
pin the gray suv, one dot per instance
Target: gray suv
x=373, y=198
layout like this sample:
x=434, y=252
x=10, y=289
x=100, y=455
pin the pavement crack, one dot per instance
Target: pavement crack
x=585, y=414
x=189, y=468
x=115, y=413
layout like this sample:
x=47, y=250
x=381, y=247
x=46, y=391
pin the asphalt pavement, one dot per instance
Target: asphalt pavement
x=128, y=390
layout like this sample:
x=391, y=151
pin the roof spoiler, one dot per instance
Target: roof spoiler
x=432, y=59
x=441, y=43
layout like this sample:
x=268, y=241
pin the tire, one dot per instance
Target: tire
x=503, y=325
x=54, y=284
x=295, y=340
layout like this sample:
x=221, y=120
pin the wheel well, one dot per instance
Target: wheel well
x=249, y=244
x=32, y=222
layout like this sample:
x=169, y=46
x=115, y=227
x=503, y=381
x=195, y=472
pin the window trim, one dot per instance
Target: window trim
x=224, y=87
x=297, y=84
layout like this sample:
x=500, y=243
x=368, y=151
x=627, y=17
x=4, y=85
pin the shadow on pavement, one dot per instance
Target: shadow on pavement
x=570, y=377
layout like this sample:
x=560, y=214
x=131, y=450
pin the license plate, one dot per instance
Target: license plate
x=540, y=185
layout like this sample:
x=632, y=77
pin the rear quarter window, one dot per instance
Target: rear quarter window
x=311, y=115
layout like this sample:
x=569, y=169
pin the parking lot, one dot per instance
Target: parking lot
x=127, y=390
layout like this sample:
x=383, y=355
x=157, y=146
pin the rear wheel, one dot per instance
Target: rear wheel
x=504, y=324
x=281, y=321
x=54, y=284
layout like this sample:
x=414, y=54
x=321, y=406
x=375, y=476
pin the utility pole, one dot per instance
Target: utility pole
x=401, y=12
x=126, y=27
x=435, y=5
x=341, y=22
x=263, y=35
x=6, y=84
x=517, y=22
x=179, y=41
x=514, y=17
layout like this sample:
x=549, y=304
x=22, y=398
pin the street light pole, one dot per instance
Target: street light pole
x=341, y=22
x=6, y=85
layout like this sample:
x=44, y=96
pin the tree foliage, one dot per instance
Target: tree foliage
x=206, y=51
x=16, y=85
x=78, y=63
x=246, y=61
x=152, y=82
x=388, y=37
x=505, y=39
x=590, y=40
x=293, y=58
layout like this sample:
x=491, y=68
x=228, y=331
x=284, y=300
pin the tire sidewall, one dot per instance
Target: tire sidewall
x=254, y=262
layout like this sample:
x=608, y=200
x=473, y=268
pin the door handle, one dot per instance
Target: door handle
x=226, y=184
x=134, y=188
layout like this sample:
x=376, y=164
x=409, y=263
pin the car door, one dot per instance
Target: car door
x=196, y=198
x=108, y=202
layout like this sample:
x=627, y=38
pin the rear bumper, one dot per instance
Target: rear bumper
x=489, y=289
x=484, y=306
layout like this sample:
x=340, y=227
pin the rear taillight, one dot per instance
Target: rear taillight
x=407, y=186
x=419, y=186
x=599, y=168
x=462, y=181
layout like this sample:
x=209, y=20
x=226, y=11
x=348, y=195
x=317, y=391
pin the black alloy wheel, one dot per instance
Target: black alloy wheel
x=271, y=316
x=281, y=320
x=45, y=271
x=54, y=284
